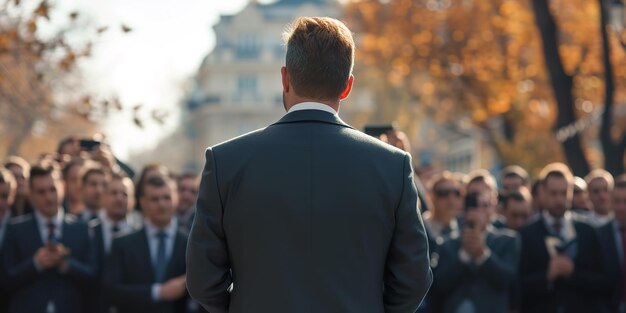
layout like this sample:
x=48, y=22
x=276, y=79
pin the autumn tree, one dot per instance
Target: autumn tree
x=482, y=61
x=42, y=98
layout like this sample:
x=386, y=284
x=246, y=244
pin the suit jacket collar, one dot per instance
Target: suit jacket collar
x=312, y=116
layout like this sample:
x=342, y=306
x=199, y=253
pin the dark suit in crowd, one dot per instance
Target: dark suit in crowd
x=611, y=237
x=579, y=293
x=308, y=215
x=130, y=273
x=483, y=287
x=37, y=290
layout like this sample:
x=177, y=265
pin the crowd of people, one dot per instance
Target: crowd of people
x=80, y=232
x=77, y=234
x=556, y=245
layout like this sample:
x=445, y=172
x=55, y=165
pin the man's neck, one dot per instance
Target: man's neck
x=443, y=219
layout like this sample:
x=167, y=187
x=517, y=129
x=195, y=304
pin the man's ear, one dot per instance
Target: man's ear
x=346, y=91
x=285, y=78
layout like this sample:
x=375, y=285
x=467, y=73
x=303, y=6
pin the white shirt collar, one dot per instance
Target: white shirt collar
x=312, y=106
x=43, y=220
x=108, y=223
x=568, y=232
x=170, y=229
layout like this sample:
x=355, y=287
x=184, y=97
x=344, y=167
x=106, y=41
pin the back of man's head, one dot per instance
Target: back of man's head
x=320, y=57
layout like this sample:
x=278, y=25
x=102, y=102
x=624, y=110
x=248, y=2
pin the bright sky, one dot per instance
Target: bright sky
x=151, y=64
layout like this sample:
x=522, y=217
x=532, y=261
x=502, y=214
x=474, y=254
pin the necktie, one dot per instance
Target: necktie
x=52, y=238
x=115, y=229
x=623, y=233
x=557, y=227
x=161, y=261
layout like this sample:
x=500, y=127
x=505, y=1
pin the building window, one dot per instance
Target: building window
x=246, y=85
x=247, y=47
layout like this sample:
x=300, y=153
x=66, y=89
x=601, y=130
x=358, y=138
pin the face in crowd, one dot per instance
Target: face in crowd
x=600, y=195
x=187, y=194
x=119, y=198
x=158, y=201
x=46, y=194
x=557, y=195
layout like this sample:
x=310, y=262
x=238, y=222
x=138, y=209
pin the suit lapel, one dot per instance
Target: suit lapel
x=35, y=226
x=144, y=254
x=177, y=250
x=312, y=116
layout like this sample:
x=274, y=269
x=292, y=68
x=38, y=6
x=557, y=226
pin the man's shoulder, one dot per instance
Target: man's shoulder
x=238, y=141
x=130, y=238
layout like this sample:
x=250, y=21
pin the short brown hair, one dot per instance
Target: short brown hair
x=600, y=173
x=320, y=57
x=556, y=169
x=17, y=161
x=43, y=169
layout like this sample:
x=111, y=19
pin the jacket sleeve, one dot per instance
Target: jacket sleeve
x=407, y=275
x=208, y=264
x=500, y=269
x=20, y=271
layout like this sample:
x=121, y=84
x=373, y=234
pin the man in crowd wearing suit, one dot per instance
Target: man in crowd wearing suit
x=145, y=271
x=476, y=269
x=48, y=255
x=309, y=214
x=600, y=185
x=513, y=178
x=20, y=169
x=613, y=238
x=113, y=221
x=187, y=196
x=516, y=209
x=94, y=179
x=580, y=201
x=561, y=262
x=7, y=195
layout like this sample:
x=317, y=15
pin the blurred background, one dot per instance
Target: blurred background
x=473, y=84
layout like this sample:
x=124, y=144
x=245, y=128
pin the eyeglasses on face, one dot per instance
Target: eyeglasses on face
x=443, y=193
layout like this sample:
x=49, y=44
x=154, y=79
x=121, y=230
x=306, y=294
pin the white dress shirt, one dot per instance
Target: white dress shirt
x=107, y=231
x=43, y=221
x=153, y=245
x=312, y=106
x=568, y=232
x=598, y=220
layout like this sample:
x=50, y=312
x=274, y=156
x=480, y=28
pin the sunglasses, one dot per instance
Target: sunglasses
x=443, y=193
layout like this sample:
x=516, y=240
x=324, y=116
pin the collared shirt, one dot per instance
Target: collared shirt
x=312, y=106
x=598, y=220
x=107, y=229
x=153, y=240
x=436, y=229
x=153, y=245
x=43, y=221
x=568, y=232
x=87, y=215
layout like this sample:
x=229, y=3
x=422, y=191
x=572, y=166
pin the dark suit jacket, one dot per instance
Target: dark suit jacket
x=613, y=268
x=308, y=215
x=129, y=274
x=580, y=292
x=33, y=289
x=487, y=285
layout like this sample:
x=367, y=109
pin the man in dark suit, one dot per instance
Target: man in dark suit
x=561, y=263
x=94, y=179
x=613, y=238
x=476, y=269
x=8, y=186
x=146, y=269
x=309, y=214
x=47, y=255
x=113, y=221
